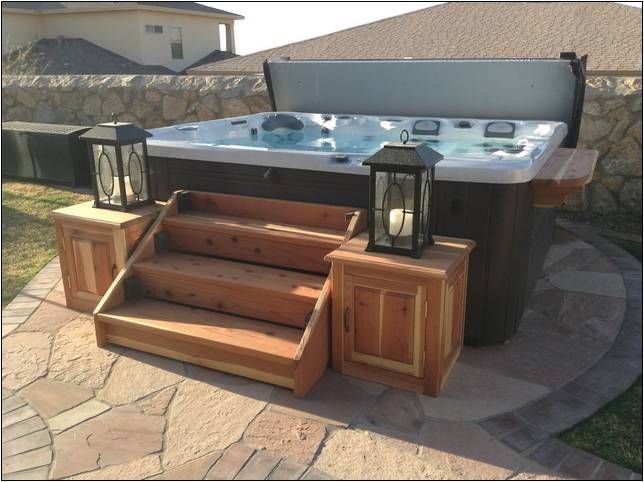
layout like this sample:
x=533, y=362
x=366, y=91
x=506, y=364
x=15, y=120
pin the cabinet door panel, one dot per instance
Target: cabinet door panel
x=91, y=261
x=82, y=249
x=398, y=316
x=103, y=267
x=384, y=324
x=366, y=318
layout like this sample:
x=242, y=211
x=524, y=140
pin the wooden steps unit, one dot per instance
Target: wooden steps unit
x=233, y=283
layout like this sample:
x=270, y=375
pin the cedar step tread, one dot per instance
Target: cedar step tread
x=191, y=266
x=209, y=327
x=190, y=219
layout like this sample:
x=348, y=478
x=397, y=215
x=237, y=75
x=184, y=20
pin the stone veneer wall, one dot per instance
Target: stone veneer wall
x=611, y=121
x=612, y=124
x=147, y=100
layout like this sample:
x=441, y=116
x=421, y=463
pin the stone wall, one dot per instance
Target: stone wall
x=611, y=121
x=612, y=124
x=147, y=100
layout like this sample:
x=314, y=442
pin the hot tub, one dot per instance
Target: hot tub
x=496, y=122
x=474, y=150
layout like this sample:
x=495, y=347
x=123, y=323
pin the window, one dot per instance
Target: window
x=223, y=40
x=154, y=29
x=176, y=43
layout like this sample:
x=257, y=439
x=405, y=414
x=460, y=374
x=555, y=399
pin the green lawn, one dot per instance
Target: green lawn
x=615, y=431
x=28, y=240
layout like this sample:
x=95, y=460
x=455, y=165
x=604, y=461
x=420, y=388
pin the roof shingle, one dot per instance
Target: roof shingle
x=610, y=33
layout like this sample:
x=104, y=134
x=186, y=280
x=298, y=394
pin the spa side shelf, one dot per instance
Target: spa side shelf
x=399, y=320
x=567, y=171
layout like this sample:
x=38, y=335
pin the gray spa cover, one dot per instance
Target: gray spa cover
x=519, y=89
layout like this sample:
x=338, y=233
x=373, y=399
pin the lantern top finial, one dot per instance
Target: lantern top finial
x=404, y=154
x=114, y=118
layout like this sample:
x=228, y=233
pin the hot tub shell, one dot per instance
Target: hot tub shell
x=512, y=236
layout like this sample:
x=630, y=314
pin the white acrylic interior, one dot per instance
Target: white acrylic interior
x=199, y=141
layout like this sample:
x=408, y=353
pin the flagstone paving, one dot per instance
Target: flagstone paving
x=73, y=410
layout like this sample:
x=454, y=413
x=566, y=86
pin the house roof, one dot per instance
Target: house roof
x=73, y=56
x=62, y=7
x=214, y=56
x=610, y=33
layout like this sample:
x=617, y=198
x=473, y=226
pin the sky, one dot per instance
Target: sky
x=271, y=24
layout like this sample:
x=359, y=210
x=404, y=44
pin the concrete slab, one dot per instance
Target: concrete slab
x=287, y=470
x=472, y=393
x=229, y=465
x=76, y=415
x=604, y=284
x=468, y=451
x=334, y=400
x=51, y=397
x=258, y=467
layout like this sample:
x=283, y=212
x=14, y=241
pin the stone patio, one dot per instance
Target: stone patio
x=72, y=410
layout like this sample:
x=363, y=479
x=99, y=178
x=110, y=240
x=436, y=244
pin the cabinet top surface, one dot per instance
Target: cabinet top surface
x=85, y=212
x=437, y=260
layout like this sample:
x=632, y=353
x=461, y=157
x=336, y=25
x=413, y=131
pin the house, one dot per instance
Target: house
x=174, y=35
x=610, y=33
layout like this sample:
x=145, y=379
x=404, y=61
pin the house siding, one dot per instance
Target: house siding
x=19, y=29
x=122, y=32
x=200, y=37
x=115, y=31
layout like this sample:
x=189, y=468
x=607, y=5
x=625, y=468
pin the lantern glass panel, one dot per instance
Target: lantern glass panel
x=106, y=172
x=394, y=209
x=425, y=204
x=135, y=172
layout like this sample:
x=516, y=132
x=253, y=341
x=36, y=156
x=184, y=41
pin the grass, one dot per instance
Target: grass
x=28, y=240
x=615, y=431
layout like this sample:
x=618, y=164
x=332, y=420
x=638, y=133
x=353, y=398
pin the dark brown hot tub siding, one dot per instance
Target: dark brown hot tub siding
x=512, y=237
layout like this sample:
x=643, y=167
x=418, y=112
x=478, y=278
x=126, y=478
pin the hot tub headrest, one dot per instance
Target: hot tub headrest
x=282, y=121
x=426, y=127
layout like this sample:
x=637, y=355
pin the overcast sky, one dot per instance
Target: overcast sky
x=271, y=24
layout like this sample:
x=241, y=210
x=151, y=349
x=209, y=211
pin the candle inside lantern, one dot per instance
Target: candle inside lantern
x=398, y=218
x=129, y=193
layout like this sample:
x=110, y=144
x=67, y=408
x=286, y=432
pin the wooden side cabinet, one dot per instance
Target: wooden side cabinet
x=93, y=245
x=399, y=320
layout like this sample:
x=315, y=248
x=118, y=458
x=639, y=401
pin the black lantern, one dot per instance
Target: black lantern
x=400, y=193
x=119, y=165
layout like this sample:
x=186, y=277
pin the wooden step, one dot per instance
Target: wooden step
x=258, y=241
x=255, y=291
x=251, y=348
x=274, y=210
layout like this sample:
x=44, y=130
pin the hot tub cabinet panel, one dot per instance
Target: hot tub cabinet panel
x=512, y=240
x=512, y=236
x=171, y=174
